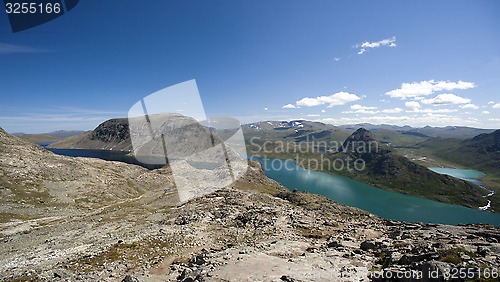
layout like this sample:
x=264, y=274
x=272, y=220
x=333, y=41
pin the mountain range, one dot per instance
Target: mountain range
x=386, y=167
x=80, y=219
x=389, y=170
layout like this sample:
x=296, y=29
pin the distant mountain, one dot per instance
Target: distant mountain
x=460, y=132
x=48, y=137
x=64, y=133
x=115, y=134
x=295, y=130
x=481, y=152
x=112, y=134
x=370, y=126
x=389, y=170
x=39, y=138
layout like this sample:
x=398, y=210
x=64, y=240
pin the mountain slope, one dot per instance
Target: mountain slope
x=385, y=169
x=482, y=151
x=48, y=137
x=112, y=134
x=39, y=138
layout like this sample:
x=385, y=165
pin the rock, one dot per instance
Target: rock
x=130, y=278
x=189, y=275
x=334, y=244
x=287, y=278
x=368, y=245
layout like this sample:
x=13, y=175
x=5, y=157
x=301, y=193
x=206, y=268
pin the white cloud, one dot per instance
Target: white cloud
x=470, y=106
x=363, y=47
x=392, y=111
x=414, y=106
x=437, y=111
x=289, y=106
x=313, y=115
x=486, y=112
x=491, y=103
x=359, y=107
x=446, y=99
x=265, y=109
x=427, y=87
x=337, y=99
x=323, y=111
x=496, y=106
x=337, y=59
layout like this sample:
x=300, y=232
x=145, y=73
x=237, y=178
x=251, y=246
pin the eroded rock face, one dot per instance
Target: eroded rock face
x=113, y=130
x=90, y=220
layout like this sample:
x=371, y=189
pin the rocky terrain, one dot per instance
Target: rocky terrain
x=83, y=219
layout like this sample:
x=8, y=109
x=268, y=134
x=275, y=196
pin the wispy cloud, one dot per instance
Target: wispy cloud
x=39, y=121
x=365, y=46
x=6, y=49
x=496, y=106
x=427, y=87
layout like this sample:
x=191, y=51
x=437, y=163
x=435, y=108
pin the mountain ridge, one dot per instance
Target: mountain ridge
x=386, y=169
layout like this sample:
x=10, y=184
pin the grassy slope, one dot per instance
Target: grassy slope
x=39, y=138
x=454, y=153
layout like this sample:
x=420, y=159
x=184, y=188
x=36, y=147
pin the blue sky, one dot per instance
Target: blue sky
x=398, y=62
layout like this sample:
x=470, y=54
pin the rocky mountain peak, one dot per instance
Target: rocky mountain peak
x=362, y=134
x=112, y=130
x=361, y=138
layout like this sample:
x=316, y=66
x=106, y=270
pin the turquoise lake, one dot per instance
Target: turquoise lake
x=381, y=202
x=465, y=174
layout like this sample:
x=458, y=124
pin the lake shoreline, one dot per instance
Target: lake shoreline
x=493, y=219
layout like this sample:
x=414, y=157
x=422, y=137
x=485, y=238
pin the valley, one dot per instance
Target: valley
x=401, y=159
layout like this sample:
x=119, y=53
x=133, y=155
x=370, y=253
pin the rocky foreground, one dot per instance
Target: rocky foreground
x=78, y=219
